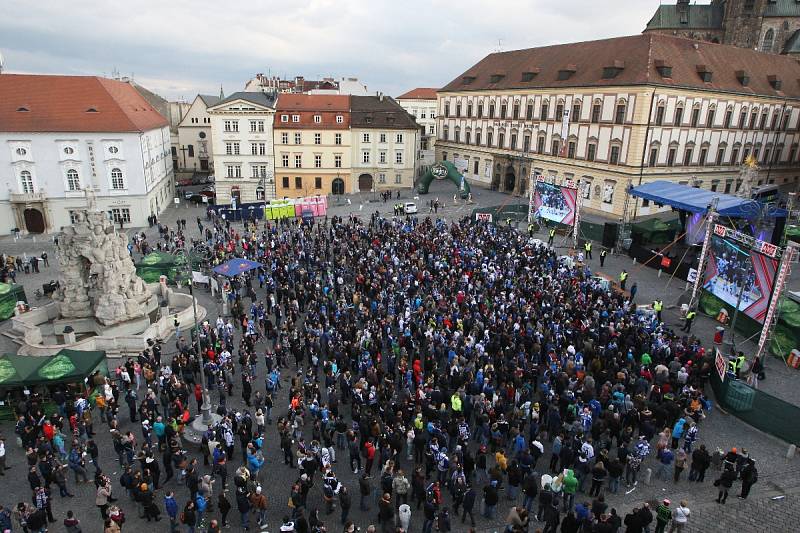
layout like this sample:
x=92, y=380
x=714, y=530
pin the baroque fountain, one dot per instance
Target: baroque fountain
x=101, y=303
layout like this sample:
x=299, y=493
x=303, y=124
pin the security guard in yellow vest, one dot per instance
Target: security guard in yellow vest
x=740, y=362
x=603, y=254
x=588, y=247
x=508, y=221
x=551, y=236
x=687, y=326
x=623, y=278
x=658, y=305
x=530, y=229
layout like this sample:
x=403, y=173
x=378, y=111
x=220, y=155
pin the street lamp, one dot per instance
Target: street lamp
x=205, y=409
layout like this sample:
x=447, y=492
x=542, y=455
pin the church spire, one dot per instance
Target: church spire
x=221, y=94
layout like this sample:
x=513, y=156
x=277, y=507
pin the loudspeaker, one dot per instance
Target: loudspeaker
x=610, y=234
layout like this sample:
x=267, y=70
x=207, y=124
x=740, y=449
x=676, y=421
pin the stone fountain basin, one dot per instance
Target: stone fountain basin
x=126, y=339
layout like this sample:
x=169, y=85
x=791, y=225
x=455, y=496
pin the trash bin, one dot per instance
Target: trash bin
x=720, y=333
x=739, y=397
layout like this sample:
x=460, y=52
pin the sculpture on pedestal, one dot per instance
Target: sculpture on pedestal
x=98, y=276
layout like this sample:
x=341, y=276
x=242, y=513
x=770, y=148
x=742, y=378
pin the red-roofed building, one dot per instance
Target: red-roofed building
x=421, y=104
x=61, y=135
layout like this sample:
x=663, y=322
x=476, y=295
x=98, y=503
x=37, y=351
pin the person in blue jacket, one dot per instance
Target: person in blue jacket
x=171, y=506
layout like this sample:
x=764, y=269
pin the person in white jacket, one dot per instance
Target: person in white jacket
x=680, y=516
x=404, y=514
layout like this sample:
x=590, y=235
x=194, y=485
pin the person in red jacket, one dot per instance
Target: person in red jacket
x=370, y=453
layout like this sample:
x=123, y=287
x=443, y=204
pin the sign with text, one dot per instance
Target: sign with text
x=720, y=364
x=483, y=217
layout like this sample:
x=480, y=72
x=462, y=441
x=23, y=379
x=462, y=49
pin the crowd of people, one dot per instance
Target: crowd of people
x=438, y=371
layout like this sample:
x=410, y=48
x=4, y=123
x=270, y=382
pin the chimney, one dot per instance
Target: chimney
x=380, y=97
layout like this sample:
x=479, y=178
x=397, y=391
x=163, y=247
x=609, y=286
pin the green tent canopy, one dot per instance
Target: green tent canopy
x=444, y=170
x=155, y=264
x=10, y=294
x=63, y=367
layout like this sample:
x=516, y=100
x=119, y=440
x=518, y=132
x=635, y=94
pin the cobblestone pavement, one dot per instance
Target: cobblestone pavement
x=778, y=476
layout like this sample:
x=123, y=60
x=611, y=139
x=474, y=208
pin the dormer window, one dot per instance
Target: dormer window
x=743, y=78
x=566, y=72
x=368, y=120
x=664, y=70
x=705, y=73
x=23, y=109
x=611, y=71
x=467, y=80
x=530, y=75
x=496, y=78
x=92, y=110
x=775, y=82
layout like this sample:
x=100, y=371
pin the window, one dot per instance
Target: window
x=475, y=165
x=792, y=153
x=398, y=179
x=298, y=138
x=695, y=117
x=285, y=160
x=753, y=118
x=259, y=193
x=284, y=138
x=596, y=110
x=528, y=112
x=113, y=150
x=73, y=182
x=526, y=143
x=444, y=156
x=503, y=110
x=491, y=110
x=489, y=138
x=285, y=182
x=763, y=124
x=513, y=145
x=120, y=214
x=231, y=125
x=234, y=171
x=515, y=112
x=298, y=161
x=619, y=117
x=571, y=149
x=728, y=119
x=775, y=117
x=26, y=182
x=480, y=110
x=659, y=115
x=253, y=148
x=614, y=158
x=469, y=110
x=468, y=137
x=382, y=138
x=703, y=155
x=285, y=118
x=339, y=119
x=769, y=37
x=714, y=185
x=458, y=109
x=295, y=118
x=501, y=140
x=191, y=150
x=728, y=185
x=382, y=157
x=671, y=156
x=235, y=148
x=477, y=138
x=559, y=111
x=743, y=118
x=365, y=137
x=576, y=113
x=381, y=178
x=678, y=115
x=720, y=156
x=399, y=138
x=337, y=161
x=554, y=147
x=317, y=161
x=318, y=182
x=253, y=126
x=608, y=192
x=687, y=156
x=398, y=158
x=710, y=117
x=317, y=138
x=540, y=144
x=591, y=152
x=653, y=159
x=298, y=182
x=317, y=120
x=365, y=156
x=447, y=109
x=117, y=179
x=337, y=138
x=543, y=112
x=735, y=159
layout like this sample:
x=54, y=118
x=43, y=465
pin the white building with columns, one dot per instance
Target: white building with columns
x=62, y=135
x=242, y=145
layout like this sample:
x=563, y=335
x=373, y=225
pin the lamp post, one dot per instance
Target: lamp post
x=205, y=409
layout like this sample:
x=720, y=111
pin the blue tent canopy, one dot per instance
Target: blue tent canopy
x=697, y=200
x=234, y=267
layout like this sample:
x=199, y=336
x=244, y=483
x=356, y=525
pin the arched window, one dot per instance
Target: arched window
x=117, y=179
x=259, y=193
x=337, y=186
x=26, y=182
x=660, y=113
x=73, y=182
x=769, y=38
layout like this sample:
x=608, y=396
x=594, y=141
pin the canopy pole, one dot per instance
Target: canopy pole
x=789, y=254
x=711, y=219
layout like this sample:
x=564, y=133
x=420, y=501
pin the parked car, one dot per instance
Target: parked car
x=410, y=208
x=188, y=194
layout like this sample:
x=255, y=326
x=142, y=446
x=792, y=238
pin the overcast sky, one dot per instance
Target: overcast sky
x=178, y=48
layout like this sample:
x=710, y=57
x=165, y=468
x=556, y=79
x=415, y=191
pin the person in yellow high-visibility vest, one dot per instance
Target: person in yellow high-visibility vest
x=658, y=305
x=687, y=326
x=551, y=235
x=530, y=229
x=587, y=246
x=623, y=278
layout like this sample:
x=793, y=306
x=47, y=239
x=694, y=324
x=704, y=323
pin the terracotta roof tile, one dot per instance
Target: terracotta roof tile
x=62, y=103
x=313, y=102
x=420, y=93
x=640, y=53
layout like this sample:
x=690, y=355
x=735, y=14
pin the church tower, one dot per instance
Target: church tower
x=742, y=21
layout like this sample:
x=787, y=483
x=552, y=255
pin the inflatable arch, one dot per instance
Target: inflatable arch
x=440, y=171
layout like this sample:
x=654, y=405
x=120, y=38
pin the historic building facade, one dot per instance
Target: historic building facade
x=193, y=151
x=385, y=140
x=771, y=26
x=617, y=112
x=98, y=140
x=312, y=145
x=421, y=104
x=242, y=148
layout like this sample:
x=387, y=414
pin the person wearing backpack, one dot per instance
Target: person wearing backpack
x=749, y=477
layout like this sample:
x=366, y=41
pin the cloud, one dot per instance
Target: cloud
x=181, y=47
